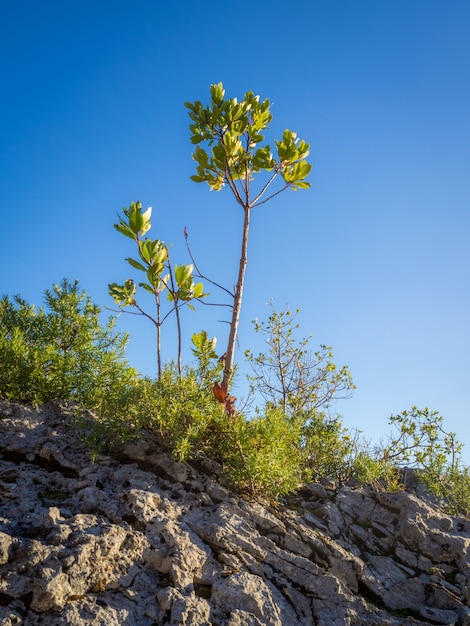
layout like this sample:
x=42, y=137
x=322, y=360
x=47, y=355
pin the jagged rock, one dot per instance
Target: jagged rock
x=145, y=540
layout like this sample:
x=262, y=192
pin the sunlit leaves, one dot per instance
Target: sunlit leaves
x=187, y=289
x=233, y=132
x=135, y=264
x=420, y=441
x=209, y=364
x=293, y=155
x=161, y=277
x=137, y=223
x=155, y=262
x=203, y=345
x=123, y=295
x=217, y=93
x=263, y=160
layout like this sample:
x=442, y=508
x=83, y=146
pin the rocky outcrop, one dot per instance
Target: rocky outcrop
x=143, y=540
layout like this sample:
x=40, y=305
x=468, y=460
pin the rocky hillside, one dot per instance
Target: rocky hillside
x=143, y=540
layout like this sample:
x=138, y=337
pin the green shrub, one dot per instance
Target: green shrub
x=266, y=456
x=378, y=472
x=421, y=442
x=330, y=448
x=261, y=455
x=302, y=385
x=291, y=375
x=453, y=487
x=181, y=410
x=61, y=352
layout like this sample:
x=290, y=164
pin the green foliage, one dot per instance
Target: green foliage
x=376, y=471
x=302, y=385
x=234, y=134
x=162, y=278
x=180, y=410
x=264, y=453
x=209, y=363
x=289, y=374
x=330, y=449
x=61, y=352
x=453, y=487
x=421, y=442
x=260, y=455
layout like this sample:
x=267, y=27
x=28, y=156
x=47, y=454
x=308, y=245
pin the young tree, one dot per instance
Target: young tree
x=290, y=375
x=162, y=277
x=232, y=132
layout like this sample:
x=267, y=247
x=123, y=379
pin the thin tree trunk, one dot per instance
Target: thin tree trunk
x=158, y=325
x=178, y=328
x=237, y=303
x=159, y=360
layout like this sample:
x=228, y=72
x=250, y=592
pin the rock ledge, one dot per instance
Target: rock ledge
x=146, y=541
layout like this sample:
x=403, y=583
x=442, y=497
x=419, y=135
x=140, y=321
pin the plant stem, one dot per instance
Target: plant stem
x=174, y=293
x=228, y=367
x=158, y=325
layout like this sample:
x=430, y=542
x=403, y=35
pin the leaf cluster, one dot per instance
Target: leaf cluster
x=209, y=364
x=154, y=261
x=162, y=278
x=233, y=132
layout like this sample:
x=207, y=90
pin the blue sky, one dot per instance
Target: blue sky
x=375, y=254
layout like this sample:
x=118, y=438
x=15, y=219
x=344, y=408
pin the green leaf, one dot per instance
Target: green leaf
x=124, y=230
x=123, y=295
x=198, y=290
x=183, y=273
x=197, y=138
x=147, y=287
x=136, y=264
x=135, y=219
x=146, y=222
x=217, y=93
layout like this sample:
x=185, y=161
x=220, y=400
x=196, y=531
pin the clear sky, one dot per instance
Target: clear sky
x=376, y=254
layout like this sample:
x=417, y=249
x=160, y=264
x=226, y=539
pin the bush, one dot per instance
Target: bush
x=181, y=410
x=291, y=375
x=302, y=385
x=453, y=487
x=421, y=442
x=330, y=449
x=62, y=352
x=261, y=454
x=376, y=471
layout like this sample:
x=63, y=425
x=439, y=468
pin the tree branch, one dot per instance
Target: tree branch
x=200, y=274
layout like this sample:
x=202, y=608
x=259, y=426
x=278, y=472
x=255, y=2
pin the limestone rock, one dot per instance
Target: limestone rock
x=144, y=540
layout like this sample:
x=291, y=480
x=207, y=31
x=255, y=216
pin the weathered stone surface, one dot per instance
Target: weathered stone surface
x=145, y=540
